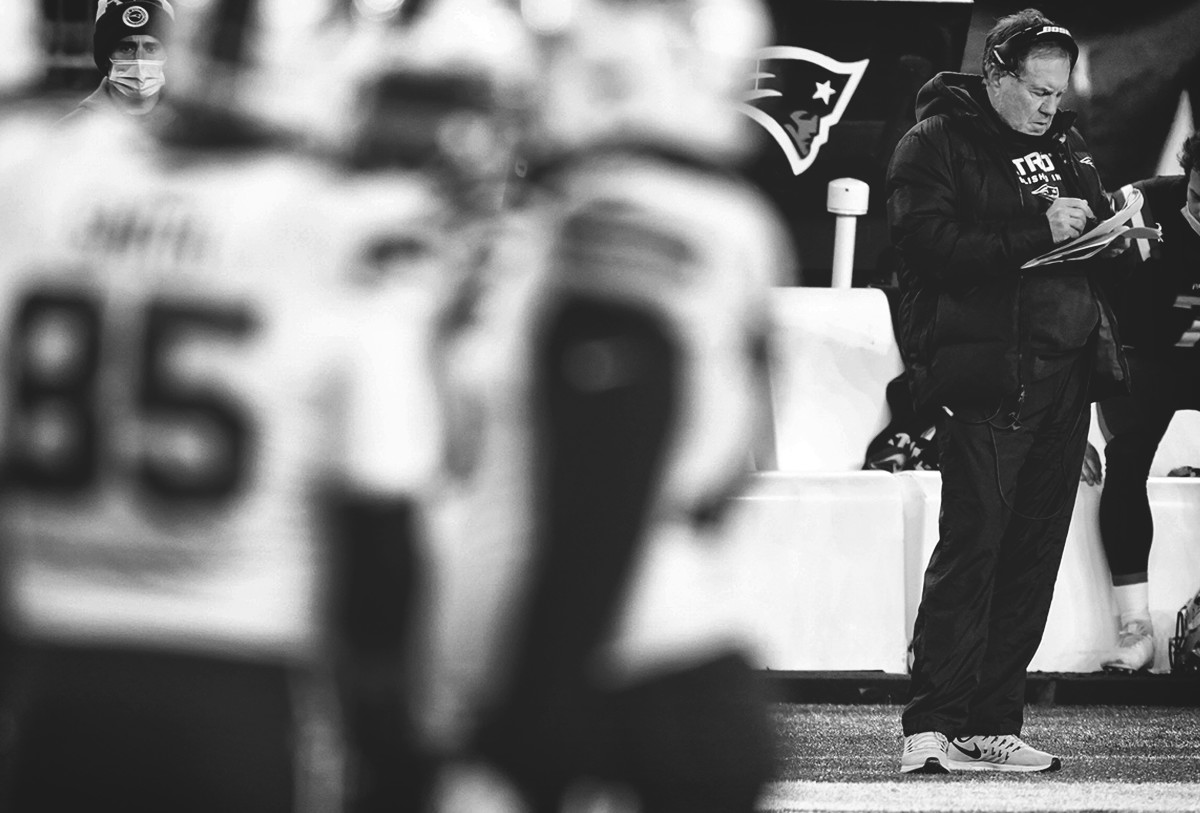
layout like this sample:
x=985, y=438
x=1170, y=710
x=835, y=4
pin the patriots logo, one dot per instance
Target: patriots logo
x=135, y=17
x=797, y=95
x=1046, y=191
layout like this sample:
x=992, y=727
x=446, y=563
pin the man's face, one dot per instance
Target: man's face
x=139, y=46
x=1027, y=102
x=1193, y=193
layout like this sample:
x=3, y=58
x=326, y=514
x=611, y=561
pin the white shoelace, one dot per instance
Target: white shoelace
x=926, y=739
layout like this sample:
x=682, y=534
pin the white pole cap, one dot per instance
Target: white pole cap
x=847, y=196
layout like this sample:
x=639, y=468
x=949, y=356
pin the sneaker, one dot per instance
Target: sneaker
x=1006, y=752
x=924, y=753
x=1135, y=649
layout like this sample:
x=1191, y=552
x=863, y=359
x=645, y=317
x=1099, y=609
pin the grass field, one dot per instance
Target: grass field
x=1115, y=758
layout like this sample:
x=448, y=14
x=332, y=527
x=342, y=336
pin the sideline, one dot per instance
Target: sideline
x=993, y=794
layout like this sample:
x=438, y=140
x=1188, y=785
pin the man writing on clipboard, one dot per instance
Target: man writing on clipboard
x=993, y=175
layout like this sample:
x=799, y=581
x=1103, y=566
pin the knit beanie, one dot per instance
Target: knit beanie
x=117, y=19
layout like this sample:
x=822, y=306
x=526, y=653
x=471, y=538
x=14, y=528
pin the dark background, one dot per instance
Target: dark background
x=1139, y=57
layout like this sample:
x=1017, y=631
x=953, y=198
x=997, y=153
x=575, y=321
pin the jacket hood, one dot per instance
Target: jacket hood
x=963, y=95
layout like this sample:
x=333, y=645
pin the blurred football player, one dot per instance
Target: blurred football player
x=628, y=679
x=220, y=417
x=129, y=44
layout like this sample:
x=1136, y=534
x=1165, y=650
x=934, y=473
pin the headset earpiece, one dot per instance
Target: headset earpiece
x=1000, y=60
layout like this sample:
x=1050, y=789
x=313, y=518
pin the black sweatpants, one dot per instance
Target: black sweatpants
x=1008, y=490
x=1134, y=426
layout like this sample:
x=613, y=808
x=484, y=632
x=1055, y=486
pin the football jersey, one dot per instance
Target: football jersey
x=196, y=348
x=701, y=251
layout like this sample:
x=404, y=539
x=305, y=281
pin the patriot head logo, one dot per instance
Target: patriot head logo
x=135, y=17
x=1046, y=191
x=797, y=95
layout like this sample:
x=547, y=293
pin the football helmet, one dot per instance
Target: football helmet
x=443, y=90
x=660, y=72
x=380, y=82
x=1184, y=650
x=275, y=65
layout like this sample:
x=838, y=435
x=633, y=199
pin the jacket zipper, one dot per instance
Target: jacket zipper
x=1014, y=416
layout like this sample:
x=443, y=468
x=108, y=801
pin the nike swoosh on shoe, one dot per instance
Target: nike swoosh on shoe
x=974, y=753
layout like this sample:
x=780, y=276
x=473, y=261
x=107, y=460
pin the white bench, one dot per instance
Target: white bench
x=823, y=573
x=835, y=354
x=841, y=548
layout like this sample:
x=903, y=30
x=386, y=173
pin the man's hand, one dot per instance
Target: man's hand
x=1091, y=467
x=1068, y=217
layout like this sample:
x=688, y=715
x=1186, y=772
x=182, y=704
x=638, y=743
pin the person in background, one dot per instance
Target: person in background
x=991, y=176
x=1156, y=308
x=129, y=44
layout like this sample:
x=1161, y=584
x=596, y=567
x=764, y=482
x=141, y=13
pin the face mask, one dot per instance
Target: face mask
x=137, y=78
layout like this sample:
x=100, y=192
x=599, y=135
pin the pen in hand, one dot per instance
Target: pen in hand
x=1068, y=218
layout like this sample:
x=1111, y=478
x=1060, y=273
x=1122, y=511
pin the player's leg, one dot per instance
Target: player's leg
x=1133, y=426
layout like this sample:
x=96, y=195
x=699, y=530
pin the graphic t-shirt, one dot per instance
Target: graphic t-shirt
x=1059, y=310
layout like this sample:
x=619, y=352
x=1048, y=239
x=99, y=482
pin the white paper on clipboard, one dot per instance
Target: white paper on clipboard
x=1103, y=235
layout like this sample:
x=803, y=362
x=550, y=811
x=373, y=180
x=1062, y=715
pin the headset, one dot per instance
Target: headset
x=1008, y=52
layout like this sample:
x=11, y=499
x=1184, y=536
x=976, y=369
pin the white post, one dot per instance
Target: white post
x=847, y=199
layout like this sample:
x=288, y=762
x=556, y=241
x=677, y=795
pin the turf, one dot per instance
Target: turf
x=845, y=757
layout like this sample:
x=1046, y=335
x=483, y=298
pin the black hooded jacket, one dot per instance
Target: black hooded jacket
x=967, y=197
